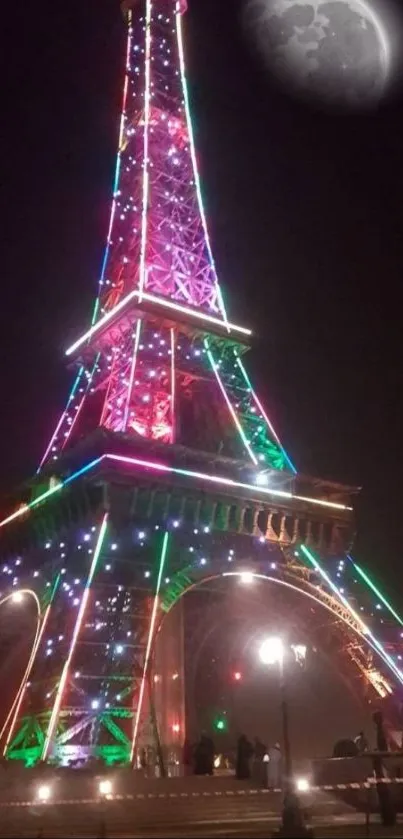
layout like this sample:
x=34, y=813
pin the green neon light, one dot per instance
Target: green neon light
x=363, y=628
x=63, y=679
x=25, y=508
x=150, y=639
x=264, y=415
x=231, y=408
x=376, y=591
x=161, y=467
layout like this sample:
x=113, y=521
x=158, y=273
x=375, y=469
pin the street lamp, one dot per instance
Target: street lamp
x=247, y=577
x=44, y=793
x=105, y=787
x=272, y=652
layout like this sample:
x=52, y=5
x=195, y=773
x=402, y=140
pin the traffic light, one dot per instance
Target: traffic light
x=237, y=676
x=220, y=724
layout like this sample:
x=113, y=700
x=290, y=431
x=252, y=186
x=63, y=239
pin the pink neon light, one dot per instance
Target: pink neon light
x=149, y=641
x=194, y=158
x=132, y=372
x=77, y=628
x=147, y=91
x=173, y=424
x=152, y=298
x=160, y=467
x=216, y=479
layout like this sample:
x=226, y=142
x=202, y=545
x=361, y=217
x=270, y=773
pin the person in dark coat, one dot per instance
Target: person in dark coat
x=187, y=757
x=258, y=766
x=204, y=756
x=209, y=745
x=243, y=757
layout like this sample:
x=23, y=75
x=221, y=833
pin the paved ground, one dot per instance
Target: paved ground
x=192, y=807
x=197, y=816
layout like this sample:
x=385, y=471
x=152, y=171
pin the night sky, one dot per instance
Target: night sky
x=306, y=218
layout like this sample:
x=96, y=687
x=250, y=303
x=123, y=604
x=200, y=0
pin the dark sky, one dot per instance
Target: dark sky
x=306, y=218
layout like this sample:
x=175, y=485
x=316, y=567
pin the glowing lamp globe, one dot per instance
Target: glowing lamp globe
x=272, y=651
x=105, y=787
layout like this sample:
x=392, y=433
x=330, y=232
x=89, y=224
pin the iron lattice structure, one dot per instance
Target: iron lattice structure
x=164, y=468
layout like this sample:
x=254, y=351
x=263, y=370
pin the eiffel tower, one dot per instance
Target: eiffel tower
x=164, y=468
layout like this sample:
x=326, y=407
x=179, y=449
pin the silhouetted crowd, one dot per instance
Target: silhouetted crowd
x=255, y=761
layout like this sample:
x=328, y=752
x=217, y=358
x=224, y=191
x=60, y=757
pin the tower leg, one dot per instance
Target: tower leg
x=168, y=683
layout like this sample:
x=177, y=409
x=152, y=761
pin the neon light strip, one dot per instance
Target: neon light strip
x=84, y=600
x=194, y=159
x=132, y=372
x=25, y=677
x=173, y=385
x=111, y=382
x=150, y=640
x=79, y=407
x=161, y=467
x=376, y=591
x=25, y=508
x=229, y=405
x=372, y=640
x=146, y=175
x=263, y=413
x=77, y=413
x=21, y=693
x=216, y=479
x=62, y=416
x=152, y=298
x=117, y=169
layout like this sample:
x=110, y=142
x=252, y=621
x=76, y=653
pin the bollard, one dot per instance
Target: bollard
x=368, y=811
x=293, y=822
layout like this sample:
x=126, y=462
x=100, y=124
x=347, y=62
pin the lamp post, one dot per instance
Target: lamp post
x=272, y=652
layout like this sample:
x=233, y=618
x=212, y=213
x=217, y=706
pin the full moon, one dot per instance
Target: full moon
x=331, y=51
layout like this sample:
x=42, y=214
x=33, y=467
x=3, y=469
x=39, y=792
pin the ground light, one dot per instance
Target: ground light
x=247, y=577
x=302, y=785
x=44, y=793
x=272, y=652
x=105, y=787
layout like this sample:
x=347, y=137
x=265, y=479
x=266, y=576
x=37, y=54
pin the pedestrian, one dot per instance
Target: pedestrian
x=361, y=742
x=258, y=766
x=275, y=767
x=243, y=758
x=210, y=755
x=143, y=761
x=187, y=758
x=204, y=756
